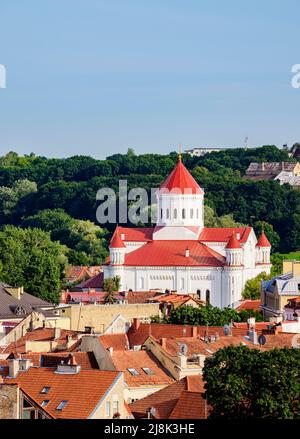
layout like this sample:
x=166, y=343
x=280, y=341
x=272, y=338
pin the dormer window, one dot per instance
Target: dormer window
x=61, y=405
x=45, y=390
x=45, y=402
x=133, y=371
x=148, y=371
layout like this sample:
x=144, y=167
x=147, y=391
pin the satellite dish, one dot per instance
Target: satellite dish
x=226, y=330
x=261, y=340
x=183, y=349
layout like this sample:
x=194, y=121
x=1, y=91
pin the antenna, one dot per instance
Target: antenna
x=227, y=330
x=183, y=349
x=246, y=142
x=261, y=340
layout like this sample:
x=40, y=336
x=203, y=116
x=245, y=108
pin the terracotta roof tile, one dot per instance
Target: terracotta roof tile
x=165, y=400
x=139, y=360
x=83, y=390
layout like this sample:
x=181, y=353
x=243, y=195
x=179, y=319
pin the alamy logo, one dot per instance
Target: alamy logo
x=296, y=77
x=2, y=76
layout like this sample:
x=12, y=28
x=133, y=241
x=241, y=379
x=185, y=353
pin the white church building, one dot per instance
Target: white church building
x=181, y=254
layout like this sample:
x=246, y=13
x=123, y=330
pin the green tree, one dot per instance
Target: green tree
x=252, y=287
x=205, y=315
x=249, y=383
x=30, y=258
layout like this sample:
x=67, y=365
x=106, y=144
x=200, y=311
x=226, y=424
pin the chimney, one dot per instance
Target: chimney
x=194, y=331
x=15, y=292
x=136, y=323
x=122, y=236
x=282, y=166
x=57, y=333
x=111, y=350
x=187, y=252
x=163, y=342
x=13, y=366
x=251, y=322
x=263, y=166
x=253, y=336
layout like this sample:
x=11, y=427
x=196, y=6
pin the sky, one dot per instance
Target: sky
x=96, y=77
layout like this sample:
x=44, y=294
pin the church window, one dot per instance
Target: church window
x=199, y=294
x=168, y=213
x=192, y=213
x=207, y=297
x=182, y=283
x=175, y=213
x=183, y=213
x=161, y=214
x=197, y=212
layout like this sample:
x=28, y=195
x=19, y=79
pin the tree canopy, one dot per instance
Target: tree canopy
x=243, y=383
x=31, y=259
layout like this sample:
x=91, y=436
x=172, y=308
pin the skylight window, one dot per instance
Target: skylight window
x=133, y=371
x=148, y=371
x=45, y=402
x=61, y=405
x=45, y=389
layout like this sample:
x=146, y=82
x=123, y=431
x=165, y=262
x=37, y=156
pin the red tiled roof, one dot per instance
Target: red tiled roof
x=233, y=242
x=93, y=282
x=140, y=296
x=175, y=298
x=166, y=399
x=137, y=234
x=116, y=241
x=212, y=234
x=138, y=336
x=190, y=405
x=263, y=241
x=249, y=305
x=82, y=391
x=119, y=342
x=51, y=359
x=137, y=360
x=169, y=253
x=40, y=334
x=181, y=180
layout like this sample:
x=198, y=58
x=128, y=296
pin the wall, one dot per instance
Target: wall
x=90, y=343
x=9, y=401
x=101, y=316
x=116, y=393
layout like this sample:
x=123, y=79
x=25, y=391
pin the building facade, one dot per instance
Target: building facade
x=181, y=254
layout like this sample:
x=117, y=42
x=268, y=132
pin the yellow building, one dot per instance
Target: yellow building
x=276, y=293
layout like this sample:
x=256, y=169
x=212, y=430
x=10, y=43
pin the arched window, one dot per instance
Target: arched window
x=168, y=214
x=207, y=297
x=182, y=283
x=142, y=286
x=161, y=214
x=192, y=213
x=199, y=294
x=183, y=213
x=175, y=213
x=197, y=213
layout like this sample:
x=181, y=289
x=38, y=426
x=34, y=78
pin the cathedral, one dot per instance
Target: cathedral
x=181, y=254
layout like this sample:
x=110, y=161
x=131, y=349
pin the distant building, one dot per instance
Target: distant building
x=198, y=152
x=270, y=170
x=181, y=254
x=277, y=292
x=286, y=177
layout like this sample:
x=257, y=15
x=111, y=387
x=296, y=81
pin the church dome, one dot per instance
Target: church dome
x=182, y=180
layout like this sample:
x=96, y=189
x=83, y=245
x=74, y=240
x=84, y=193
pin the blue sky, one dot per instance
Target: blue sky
x=96, y=77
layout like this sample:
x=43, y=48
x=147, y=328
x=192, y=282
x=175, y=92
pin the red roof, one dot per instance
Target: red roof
x=181, y=180
x=137, y=234
x=93, y=282
x=233, y=242
x=116, y=241
x=218, y=234
x=168, y=404
x=83, y=391
x=249, y=305
x=263, y=241
x=170, y=253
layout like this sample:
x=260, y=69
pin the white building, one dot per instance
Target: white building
x=198, y=152
x=182, y=255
